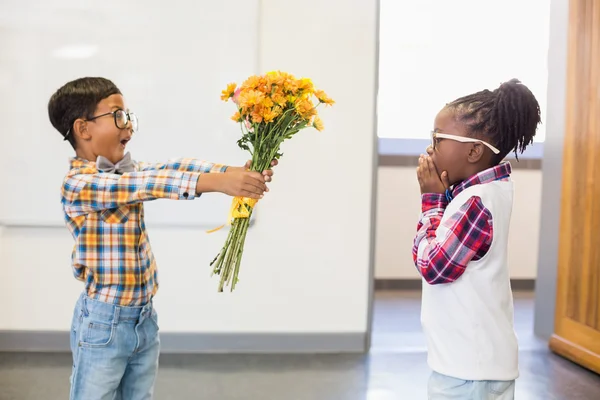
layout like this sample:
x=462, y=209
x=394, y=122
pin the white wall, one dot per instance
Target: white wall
x=398, y=207
x=307, y=258
x=149, y=63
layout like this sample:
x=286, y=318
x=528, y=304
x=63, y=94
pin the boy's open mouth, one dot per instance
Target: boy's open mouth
x=124, y=142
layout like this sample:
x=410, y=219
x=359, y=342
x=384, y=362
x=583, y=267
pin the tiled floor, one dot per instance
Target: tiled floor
x=395, y=369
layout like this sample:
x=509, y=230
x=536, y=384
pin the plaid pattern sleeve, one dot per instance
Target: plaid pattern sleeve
x=185, y=165
x=441, y=252
x=105, y=214
x=84, y=192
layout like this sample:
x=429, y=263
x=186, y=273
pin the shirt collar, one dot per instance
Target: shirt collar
x=78, y=163
x=500, y=172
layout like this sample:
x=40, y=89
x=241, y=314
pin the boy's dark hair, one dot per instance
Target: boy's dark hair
x=507, y=117
x=77, y=99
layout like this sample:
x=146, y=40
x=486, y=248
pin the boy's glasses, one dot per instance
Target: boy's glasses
x=122, y=120
x=437, y=135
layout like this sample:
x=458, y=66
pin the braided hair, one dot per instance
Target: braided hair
x=506, y=118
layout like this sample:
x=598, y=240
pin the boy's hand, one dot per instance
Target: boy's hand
x=268, y=173
x=428, y=178
x=234, y=182
x=244, y=183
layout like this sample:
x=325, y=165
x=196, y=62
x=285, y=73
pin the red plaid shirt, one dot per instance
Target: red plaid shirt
x=470, y=231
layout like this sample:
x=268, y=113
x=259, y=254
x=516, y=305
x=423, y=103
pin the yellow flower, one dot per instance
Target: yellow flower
x=251, y=83
x=323, y=98
x=305, y=108
x=269, y=115
x=249, y=98
x=318, y=124
x=275, y=78
x=306, y=85
x=278, y=98
x=237, y=117
x=304, y=96
x=291, y=86
x=227, y=93
x=278, y=111
x=267, y=102
x=264, y=85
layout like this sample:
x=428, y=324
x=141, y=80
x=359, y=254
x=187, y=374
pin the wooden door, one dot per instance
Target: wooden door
x=577, y=327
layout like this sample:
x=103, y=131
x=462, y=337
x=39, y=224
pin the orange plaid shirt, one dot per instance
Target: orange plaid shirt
x=105, y=215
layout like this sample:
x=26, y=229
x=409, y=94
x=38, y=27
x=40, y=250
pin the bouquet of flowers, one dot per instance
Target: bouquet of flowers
x=270, y=109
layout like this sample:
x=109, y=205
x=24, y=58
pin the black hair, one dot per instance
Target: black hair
x=77, y=99
x=507, y=117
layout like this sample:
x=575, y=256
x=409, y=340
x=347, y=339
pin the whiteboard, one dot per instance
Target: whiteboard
x=169, y=61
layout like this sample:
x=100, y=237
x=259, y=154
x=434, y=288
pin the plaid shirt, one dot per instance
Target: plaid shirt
x=469, y=231
x=105, y=215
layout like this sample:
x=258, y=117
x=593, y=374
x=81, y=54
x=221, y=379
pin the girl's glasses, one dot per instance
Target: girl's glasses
x=435, y=136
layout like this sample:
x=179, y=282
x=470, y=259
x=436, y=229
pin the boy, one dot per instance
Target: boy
x=461, y=245
x=114, y=333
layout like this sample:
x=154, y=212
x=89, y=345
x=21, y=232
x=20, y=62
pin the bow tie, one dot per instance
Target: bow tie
x=105, y=165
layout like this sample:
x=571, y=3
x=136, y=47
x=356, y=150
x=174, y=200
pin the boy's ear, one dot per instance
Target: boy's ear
x=80, y=129
x=475, y=153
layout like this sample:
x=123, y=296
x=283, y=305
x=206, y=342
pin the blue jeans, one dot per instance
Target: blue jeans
x=115, y=351
x=442, y=387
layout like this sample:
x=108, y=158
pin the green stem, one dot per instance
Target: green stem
x=221, y=256
x=236, y=270
x=225, y=271
x=240, y=223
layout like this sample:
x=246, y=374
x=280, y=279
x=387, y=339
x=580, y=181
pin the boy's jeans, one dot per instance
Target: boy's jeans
x=115, y=351
x=442, y=387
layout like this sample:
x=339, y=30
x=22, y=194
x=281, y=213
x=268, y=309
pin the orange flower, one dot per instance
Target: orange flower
x=305, y=108
x=251, y=83
x=237, y=117
x=318, y=124
x=276, y=78
x=323, y=98
x=227, y=93
x=291, y=86
x=257, y=114
x=278, y=98
x=267, y=102
x=306, y=85
x=249, y=98
x=269, y=115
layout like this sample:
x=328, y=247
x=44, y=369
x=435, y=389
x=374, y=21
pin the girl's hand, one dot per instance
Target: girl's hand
x=429, y=180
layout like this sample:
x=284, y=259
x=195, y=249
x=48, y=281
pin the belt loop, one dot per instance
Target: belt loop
x=147, y=309
x=84, y=306
x=116, y=315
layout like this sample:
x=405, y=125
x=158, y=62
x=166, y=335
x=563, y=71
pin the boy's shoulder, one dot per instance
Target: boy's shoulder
x=79, y=166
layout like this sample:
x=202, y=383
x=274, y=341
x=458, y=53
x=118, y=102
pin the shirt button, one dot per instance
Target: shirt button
x=186, y=194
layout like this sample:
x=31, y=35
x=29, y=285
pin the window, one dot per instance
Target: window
x=434, y=51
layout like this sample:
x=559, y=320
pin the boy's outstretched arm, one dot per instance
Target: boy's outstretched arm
x=83, y=193
x=441, y=252
x=184, y=165
x=199, y=166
